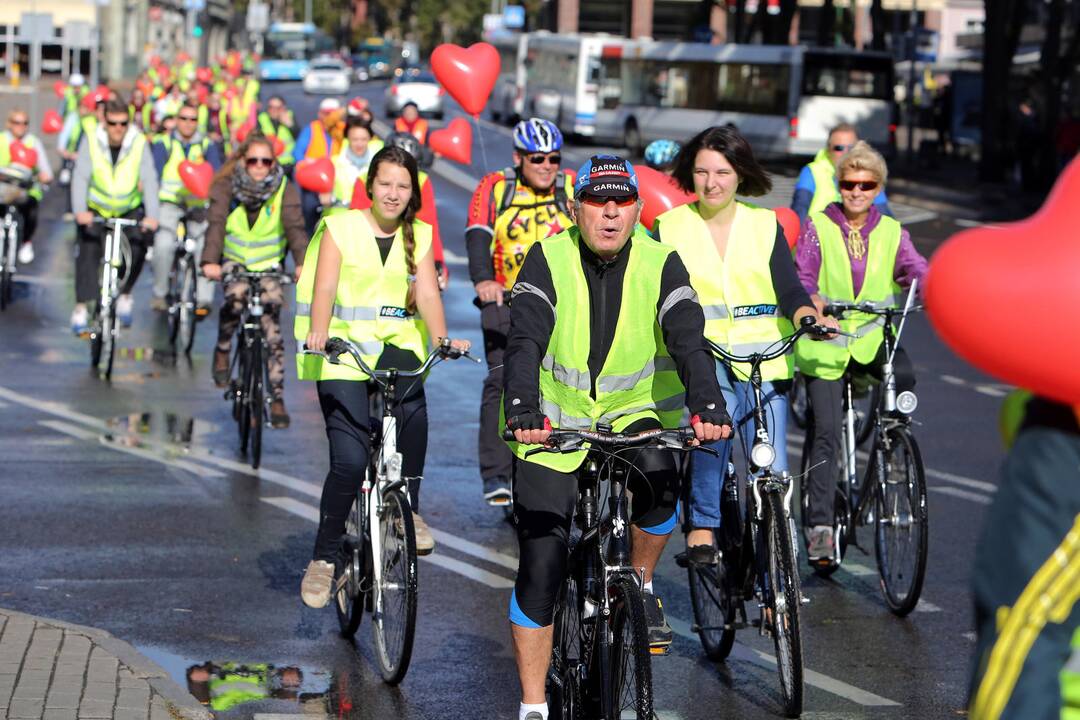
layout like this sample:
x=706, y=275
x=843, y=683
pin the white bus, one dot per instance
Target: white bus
x=562, y=79
x=782, y=98
x=507, y=103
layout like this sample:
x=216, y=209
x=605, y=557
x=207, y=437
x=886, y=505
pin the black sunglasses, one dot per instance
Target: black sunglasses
x=116, y=123
x=541, y=159
x=264, y=161
x=850, y=185
x=187, y=118
x=842, y=148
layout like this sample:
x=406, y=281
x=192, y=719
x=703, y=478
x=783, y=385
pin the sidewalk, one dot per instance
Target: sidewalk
x=51, y=670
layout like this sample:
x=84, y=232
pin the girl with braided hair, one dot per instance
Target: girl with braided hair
x=370, y=277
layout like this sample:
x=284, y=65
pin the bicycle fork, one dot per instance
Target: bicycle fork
x=389, y=478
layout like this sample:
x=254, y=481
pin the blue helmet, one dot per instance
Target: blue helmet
x=661, y=153
x=536, y=135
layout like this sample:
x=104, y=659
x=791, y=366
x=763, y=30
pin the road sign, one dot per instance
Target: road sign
x=36, y=27
x=258, y=17
x=514, y=16
x=493, y=22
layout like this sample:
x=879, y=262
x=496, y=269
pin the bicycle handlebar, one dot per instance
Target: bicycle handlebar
x=838, y=309
x=808, y=325
x=235, y=275
x=336, y=347
x=118, y=221
x=564, y=441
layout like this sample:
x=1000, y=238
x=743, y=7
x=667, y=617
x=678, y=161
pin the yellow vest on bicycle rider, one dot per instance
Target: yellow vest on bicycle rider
x=369, y=308
x=115, y=190
x=172, y=187
x=827, y=359
x=736, y=291
x=638, y=379
x=30, y=143
x=260, y=247
x=824, y=174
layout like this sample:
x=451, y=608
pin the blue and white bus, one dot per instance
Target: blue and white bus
x=287, y=49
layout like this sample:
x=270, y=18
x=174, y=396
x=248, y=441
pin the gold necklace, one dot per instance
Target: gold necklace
x=856, y=244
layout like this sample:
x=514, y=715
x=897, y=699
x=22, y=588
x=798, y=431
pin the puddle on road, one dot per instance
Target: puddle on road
x=233, y=689
x=155, y=429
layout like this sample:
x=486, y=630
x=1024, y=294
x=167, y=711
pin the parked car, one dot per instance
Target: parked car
x=417, y=87
x=326, y=75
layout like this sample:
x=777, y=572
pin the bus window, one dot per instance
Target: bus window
x=847, y=75
x=611, y=89
x=756, y=89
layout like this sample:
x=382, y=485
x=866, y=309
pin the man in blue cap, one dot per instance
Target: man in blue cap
x=605, y=329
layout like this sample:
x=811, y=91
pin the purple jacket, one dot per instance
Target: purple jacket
x=910, y=265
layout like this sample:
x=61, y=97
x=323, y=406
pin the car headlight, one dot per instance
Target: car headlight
x=762, y=455
x=906, y=402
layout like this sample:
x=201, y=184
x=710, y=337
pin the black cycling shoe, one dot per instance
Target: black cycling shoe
x=659, y=631
x=497, y=491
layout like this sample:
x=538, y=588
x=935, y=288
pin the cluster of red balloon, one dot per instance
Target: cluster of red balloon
x=197, y=177
x=22, y=155
x=1002, y=297
x=468, y=75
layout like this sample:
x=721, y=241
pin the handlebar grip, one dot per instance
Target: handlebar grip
x=334, y=348
x=508, y=435
x=808, y=321
x=831, y=311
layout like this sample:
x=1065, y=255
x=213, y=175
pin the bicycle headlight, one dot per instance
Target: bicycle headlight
x=906, y=402
x=762, y=455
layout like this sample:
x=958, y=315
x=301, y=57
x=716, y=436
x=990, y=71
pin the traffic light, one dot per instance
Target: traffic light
x=197, y=31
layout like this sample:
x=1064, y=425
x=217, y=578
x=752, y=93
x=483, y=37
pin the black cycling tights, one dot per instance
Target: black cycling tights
x=345, y=408
x=544, y=503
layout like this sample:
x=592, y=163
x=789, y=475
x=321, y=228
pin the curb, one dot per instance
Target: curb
x=180, y=702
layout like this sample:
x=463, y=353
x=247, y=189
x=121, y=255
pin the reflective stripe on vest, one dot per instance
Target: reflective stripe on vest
x=824, y=172
x=260, y=247
x=369, y=306
x=735, y=291
x=638, y=378
x=828, y=359
x=172, y=187
x=114, y=190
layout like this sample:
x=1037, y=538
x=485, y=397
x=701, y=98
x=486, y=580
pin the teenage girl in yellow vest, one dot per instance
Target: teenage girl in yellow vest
x=741, y=268
x=387, y=246
x=253, y=222
x=850, y=252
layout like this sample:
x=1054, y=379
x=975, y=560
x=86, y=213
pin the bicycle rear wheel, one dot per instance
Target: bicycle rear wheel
x=172, y=302
x=630, y=691
x=350, y=575
x=564, y=701
x=394, y=616
x=714, y=609
x=186, y=324
x=783, y=601
x=256, y=400
x=242, y=402
x=900, y=522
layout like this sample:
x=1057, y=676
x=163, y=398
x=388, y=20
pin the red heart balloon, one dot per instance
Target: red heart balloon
x=22, y=155
x=1003, y=297
x=315, y=174
x=659, y=194
x=197, y=177
x=454, y=141
x=51, y=123
x=467, y=74
x=789, y=221
x=204, y=75
x=59, y=87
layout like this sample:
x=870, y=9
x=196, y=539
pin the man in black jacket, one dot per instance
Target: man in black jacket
x=636, y=289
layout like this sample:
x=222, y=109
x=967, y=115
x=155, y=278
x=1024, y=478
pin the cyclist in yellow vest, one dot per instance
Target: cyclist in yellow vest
x=276, y=121
x=510, y=211
x=1027, y=599
x=350, y=165
x=593, y=311
x=850, y=252
x=18, y=130
x=254, y=220
x=114, y=176
x=815, y=187
x=177, y=203
x=371, y=279
x=741, y=268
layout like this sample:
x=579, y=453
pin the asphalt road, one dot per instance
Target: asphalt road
x=126, y=506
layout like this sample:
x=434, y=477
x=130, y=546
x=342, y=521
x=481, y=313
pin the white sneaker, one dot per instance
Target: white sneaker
x=315, y=587
x=26, y=253
x=125, y=308
x=80, y=318
x=425, y=544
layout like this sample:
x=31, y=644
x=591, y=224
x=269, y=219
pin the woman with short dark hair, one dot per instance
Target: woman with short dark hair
x=741, y=268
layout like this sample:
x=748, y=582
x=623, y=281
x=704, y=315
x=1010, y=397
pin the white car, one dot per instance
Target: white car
x=420, y=88
x=326, y=76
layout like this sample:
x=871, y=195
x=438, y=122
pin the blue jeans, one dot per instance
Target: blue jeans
x=708, y=470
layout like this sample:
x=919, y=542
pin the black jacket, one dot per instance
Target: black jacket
x=532, y=320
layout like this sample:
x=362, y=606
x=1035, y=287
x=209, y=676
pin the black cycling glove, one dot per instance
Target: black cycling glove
x=528, y=420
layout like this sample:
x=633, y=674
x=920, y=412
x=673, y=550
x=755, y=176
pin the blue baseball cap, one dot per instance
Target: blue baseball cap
x=607, y=176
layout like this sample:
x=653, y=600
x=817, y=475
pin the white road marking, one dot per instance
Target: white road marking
x=478, y=551
x=92, y=436
x=816, y=679
x=990, y=390
x=295, y=507
x=927, y=607
x=957, y=492
x=858, y=570
x=970, y=636
x=452, y=258
x=953, y=380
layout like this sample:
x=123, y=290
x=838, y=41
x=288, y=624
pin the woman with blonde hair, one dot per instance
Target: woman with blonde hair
x=851, y=253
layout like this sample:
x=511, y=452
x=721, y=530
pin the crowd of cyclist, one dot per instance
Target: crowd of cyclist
x=625, y=347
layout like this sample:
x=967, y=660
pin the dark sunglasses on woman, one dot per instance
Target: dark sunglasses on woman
x=264, y=161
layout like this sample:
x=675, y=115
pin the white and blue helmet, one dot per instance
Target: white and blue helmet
x=536, y=135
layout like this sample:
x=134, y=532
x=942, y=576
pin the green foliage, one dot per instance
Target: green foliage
x=438, y=21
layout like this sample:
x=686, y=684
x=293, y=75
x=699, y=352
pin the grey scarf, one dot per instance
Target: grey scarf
x=253, y=195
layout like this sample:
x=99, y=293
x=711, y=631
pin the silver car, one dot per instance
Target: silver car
x=328, y=76
x=418, y=87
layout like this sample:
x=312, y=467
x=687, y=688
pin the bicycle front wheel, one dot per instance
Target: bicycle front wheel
x=629, y=661
x=5, y=271
x=714, y=609
x=257, y=402
x=783, y=603
x=107, y=343
x=562, y=681
x=900, y=521
x=394, y=617
x=184, y=307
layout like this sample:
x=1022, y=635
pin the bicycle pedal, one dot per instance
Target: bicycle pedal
x=660, y=649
